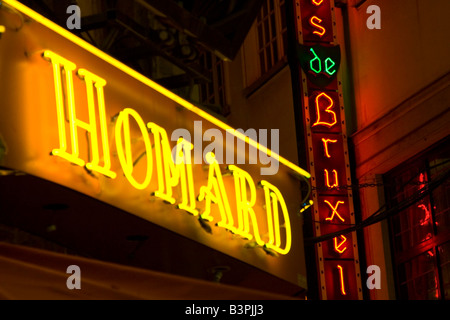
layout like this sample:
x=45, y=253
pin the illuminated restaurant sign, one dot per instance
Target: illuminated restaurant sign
x=171, y=172
x=73, y=115
x=326, y=137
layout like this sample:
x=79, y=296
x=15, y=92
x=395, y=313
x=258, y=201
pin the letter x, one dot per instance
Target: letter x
x=334, y=210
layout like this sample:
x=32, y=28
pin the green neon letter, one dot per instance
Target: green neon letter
x=328, y=67
x=311, y=62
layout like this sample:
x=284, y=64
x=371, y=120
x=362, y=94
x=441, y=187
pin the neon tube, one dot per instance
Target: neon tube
x=136, y=75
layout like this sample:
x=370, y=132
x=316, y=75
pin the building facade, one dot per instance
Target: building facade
x=396, y=93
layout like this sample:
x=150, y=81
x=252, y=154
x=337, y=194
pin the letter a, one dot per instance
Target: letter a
x=74, y=281
x=374, y=21
x=373, y=281
x=74, y=21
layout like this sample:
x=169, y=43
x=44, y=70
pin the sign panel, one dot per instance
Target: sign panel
x=326, y=137
x=73, y=115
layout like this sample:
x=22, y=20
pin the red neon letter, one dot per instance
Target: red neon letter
x=327, y=179
x=317, y=2
x=327, y=109
x=341, y=275
x=325, y=146
x=334, y=210
x=315, y=24
x=337, y=246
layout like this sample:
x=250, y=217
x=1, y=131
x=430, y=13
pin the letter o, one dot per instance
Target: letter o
x=125, y=154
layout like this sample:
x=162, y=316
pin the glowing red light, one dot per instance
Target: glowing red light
x=327, y=109
x=327, y=178
x=341, y=275
x=338, y=246
x=315, y=22
x=325, y=146
x=334, y=209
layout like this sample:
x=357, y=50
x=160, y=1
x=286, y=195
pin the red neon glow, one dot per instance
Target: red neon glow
x=313, y=22
x=425, y=220
x=325, y=146
x=317, y=2
x=335, y=212
x=341, y=275
x=422, y=181
x=327, y=178
x=338, y=246
x=327, y=109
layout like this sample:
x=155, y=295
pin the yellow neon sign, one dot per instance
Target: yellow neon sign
x=170, y=172
x=127, y=70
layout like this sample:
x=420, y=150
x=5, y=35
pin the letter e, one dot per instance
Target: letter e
x=373, y=281
x=74, y=281
x=74, y=21
x=374, y=21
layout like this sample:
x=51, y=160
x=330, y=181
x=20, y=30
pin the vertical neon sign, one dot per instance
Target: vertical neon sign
x=326, y=138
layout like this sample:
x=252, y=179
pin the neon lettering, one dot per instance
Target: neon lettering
x=341, y=276
x=245, y=202
x=327, y=109
x=61, y=65
x=311, y=62
x=173, y=166
x=426, y=219
x=317, y=2
x=125, y=153
x=325, y=146
x=334, y=209
x=184, y=166
x=338, y=246
x=329, y=64
x=327, y=179
x=314, y=21
x=274, y=199
x=92, y=80
x=171, y=173
x=215, y=193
